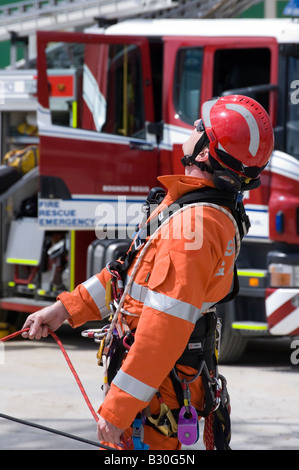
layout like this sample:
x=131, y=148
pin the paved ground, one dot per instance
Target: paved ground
x=36, y=384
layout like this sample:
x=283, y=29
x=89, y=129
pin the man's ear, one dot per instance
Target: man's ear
x=203, y=155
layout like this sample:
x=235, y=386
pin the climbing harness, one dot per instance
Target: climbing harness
x=201, y=354
x=79, y=383
x=114, y=345
x=181, y=423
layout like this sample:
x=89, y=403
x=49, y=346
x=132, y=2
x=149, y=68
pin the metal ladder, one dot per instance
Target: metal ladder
x=204, y=9
x=24, y=18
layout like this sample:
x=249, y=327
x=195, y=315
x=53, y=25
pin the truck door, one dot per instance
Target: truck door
x=94, y=140
x=250, y=67
x=205, y=67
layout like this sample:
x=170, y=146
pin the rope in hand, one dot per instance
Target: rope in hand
x=55, y=337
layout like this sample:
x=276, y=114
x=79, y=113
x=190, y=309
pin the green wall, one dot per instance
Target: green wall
x=257, y=11
x=5, y=45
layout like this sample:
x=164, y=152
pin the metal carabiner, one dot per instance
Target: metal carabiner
x=200, y=369
x=216, y=385
x=100, y=351
x=96, y=334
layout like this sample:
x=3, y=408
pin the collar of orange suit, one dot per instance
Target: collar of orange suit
x=178, y=185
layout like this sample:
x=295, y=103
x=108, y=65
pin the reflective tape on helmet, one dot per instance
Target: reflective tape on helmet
x=252, y=125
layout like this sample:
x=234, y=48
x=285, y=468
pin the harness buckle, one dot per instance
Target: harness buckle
x=138, y=243
x=138, y=433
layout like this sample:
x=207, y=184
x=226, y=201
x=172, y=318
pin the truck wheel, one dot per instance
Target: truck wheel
x=232, y=344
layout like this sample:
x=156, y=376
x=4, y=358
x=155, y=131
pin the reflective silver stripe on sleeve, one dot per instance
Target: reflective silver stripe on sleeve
x=167, y=304
x=138, y=292
x=133, y=387
x=97, y=293
x=174, y=307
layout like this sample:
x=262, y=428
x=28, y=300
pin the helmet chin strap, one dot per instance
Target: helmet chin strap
x=189, y=160
x=223, y=177
x=226, y=179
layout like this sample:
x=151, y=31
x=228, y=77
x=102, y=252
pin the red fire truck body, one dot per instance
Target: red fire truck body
x=132, y=93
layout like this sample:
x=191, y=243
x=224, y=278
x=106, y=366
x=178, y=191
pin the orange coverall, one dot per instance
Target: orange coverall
x=179, y=278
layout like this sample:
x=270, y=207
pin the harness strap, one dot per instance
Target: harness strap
x=189, y=160
x=241, y=223
x=121, y=268
x=216, y=198
x=202, y=356
x=222, y=428
x=165, y=421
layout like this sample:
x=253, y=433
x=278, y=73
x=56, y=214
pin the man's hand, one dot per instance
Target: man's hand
x=107, y=432
x=49, y=318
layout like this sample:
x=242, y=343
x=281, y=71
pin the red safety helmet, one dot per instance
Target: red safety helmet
x=240, y=134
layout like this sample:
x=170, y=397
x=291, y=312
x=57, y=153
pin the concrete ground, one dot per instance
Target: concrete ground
x=37, y=385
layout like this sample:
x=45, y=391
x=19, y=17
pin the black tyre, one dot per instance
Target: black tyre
x=232, y=344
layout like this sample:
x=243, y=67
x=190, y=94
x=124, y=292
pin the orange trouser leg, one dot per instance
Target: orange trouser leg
x=157, y=441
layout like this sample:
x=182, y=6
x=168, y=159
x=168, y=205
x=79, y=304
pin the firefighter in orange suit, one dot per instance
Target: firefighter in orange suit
x=187, y=268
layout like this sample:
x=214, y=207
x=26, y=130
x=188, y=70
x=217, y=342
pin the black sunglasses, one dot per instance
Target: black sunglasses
x=200, y=126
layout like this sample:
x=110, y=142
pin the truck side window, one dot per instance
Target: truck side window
x=292, y=121
x=64, y=69
x=187, y=83
x=125, y=103
x=100, y=89
x=235, y=69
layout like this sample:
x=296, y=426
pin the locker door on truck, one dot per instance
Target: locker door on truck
x=95, y=145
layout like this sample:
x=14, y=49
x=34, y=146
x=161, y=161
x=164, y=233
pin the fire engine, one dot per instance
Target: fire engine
x=113, y=108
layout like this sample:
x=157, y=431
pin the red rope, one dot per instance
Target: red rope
x=55, y=337
x=209, y=432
